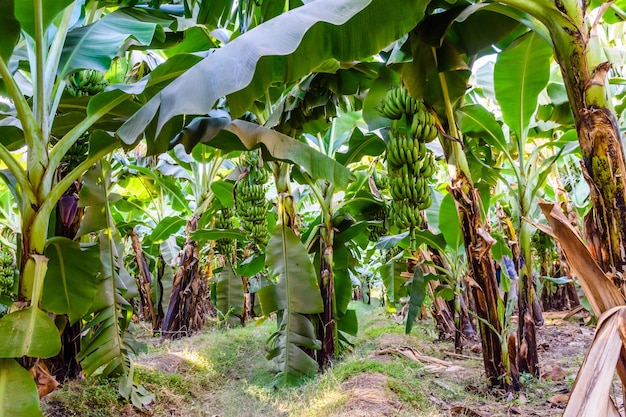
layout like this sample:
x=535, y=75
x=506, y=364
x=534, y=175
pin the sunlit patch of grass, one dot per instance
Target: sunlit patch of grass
x=94, y=397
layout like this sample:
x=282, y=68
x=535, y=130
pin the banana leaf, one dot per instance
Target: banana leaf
x=229, y=292
x=278, y=51
x=71, y=281
x=239, y=135
x=520, y=74
x=297, y=293
x=295, y=332
x=18, y=391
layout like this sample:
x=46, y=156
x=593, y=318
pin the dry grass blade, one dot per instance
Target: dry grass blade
x=598, y=288
x=591, y=392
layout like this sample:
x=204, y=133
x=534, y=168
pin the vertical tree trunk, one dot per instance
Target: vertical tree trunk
x=326, y=327
x=144, y=280
x=186, y=310
x=527, y=355
x=440, y=310
x=478, y=244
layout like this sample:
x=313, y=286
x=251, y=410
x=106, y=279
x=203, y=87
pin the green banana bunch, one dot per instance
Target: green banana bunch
x=381, y=181
x=406, y=215
x=377, y=228
x=76, y=154
x=423, y=125
x=250, y=202
x=7, y=271
x=410, y=163
x=392, y=252
x=86, y=83
x=398, y=102
x=224, y=220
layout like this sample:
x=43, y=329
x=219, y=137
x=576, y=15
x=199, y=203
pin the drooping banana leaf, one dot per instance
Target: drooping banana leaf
x=394, y=282
x=106, y=347
x=239, y=135
x=230, y=296
x=280, y=50
x=295, y=332
x=72, y=281
x=297, y=289
x=297, y=293
x=18, y=391
x=417, y=294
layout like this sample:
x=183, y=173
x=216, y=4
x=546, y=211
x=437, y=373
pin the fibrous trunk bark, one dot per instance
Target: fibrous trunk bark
x=326, y=327
x=478, y=243
x=144, y=280
x=186, y=309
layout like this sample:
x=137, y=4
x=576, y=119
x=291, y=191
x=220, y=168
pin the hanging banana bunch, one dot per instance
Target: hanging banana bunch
x=7, y=271
x=86, y=83
x=409, y=162
x=224, y=220
x=76, y=154
x=378, y=229
x=250, y=202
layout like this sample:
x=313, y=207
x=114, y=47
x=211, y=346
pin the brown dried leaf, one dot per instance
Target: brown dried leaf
x=597, y=286
x=46, y=383
x=591, y=391
x=559, y=399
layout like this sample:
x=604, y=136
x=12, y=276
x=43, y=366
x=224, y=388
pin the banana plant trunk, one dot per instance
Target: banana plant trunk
x=478, y=244
x=326, y=328
x=585, y=77
x=64, y=366
x=186, y=309
x=144, y=280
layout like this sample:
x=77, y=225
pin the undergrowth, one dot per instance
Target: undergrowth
x=223, y=372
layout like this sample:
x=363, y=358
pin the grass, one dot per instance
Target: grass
x=224, y=372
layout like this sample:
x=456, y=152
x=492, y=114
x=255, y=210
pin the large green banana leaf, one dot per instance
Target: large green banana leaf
x=278, y=51
x=18, y=392
x=295, y=332
x=71, y=281
x=520, y=74
x=228, y=135
x=297, y=293
x=297, y=289
x=30, y=332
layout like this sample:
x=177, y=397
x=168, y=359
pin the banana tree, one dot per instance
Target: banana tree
x=573, y=32
x=442, y=52
x=42, y=48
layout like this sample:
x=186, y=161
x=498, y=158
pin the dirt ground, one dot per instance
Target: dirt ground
x=456, y=382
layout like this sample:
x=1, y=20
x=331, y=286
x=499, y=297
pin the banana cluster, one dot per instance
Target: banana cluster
x=76, y=154
x=409, y=162
x=250, y=200
x=224, y=220
x=381, y=181
x=377, y=230
x=391, y=252
x=397, y=102
x=86, y=83
x=7, y=271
